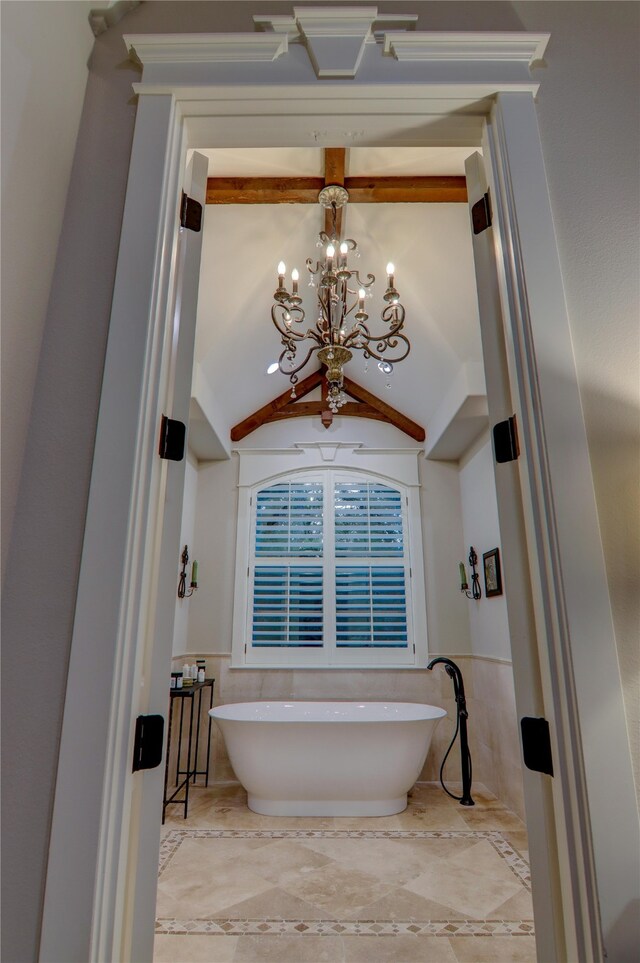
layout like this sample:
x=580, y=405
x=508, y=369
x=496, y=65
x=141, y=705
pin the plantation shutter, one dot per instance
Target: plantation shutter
x=368, y=520
x=289, y=519
x=328, y=572
x=371, y=598
x=288, y=598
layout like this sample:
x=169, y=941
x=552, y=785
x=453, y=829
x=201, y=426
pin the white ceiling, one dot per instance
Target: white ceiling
x=429, y=244
x=360, y=161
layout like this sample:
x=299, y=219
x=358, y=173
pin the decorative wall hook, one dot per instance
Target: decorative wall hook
x=182, y=581
x=476, y=591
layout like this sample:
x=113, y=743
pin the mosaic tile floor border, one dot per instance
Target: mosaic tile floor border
x=171, y=841
x=448, y=928
x=261, y=927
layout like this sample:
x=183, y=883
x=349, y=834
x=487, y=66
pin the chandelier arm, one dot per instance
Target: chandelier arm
x=382, y=345
x=288, y=334
x=352, y=338
x=393, y=313
x=388, y=340
x=363, y=284
x=295, y=312
x=287, y=357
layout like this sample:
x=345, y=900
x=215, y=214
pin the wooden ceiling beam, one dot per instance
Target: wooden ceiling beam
x=366, y=405
x=335, y=159
x=362, y=190
x=393, y=416
x=264, y=190
x=306, y=409
x=406, y=190
x=267, y=413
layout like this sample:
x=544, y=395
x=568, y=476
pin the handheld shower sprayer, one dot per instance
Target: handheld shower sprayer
x=454, y=673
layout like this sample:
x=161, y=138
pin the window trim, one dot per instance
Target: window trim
x=394, y=467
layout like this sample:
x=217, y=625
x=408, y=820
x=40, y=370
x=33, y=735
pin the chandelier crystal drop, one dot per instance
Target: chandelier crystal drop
x=341, y=320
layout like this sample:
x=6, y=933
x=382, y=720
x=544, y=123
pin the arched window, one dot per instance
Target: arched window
x=330, y=578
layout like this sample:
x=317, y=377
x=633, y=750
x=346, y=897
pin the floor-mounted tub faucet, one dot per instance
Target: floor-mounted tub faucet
x=454, y=673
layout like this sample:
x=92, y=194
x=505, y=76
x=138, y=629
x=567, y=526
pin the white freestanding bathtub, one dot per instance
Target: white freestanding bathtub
x=327, y=758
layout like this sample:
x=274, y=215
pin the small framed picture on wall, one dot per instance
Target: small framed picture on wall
x=492, y=573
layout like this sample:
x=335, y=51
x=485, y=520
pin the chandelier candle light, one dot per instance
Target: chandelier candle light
x=341, y=326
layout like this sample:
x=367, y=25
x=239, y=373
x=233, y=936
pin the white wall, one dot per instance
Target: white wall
x=488, y=623
x=443, y=541
x=45, y=48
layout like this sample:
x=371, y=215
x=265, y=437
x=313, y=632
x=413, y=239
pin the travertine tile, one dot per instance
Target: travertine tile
x=383, y=858
x=483, y=859
x=289, y=949
x=517, y=907
x=208, y=855
x=374, y=822
x=353, y=897
x=430, y=851
x=202, y=891
x=397, y=949
x=195, y=948
x=519, y=839
x=494, y=949
x=433, y=818
x=463, y=889
x=491, y=819
x=276, y=904
x=339, y=890
x=283, y=861
x=400, y=904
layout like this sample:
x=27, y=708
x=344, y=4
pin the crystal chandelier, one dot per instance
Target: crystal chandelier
x=341, y=325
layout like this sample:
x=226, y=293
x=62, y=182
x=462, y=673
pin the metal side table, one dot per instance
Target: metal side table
x=190, y=770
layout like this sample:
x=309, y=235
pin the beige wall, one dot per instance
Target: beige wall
x=588, y=119
x=45, y=48
x=588, y=115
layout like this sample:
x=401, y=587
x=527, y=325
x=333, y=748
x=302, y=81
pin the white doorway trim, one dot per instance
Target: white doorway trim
x=458, y=102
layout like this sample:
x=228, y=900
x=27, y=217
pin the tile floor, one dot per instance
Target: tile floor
x=438, y=882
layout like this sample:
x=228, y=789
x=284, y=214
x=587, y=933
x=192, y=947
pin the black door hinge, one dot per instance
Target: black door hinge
x=481, y=214
x=505, y=440
x=172, y=436
x=147, y=744
x=190, y=213
x=536, y=745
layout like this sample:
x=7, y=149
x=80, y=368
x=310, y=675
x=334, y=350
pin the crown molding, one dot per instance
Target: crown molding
x=335, y=38
x=106, y=15
x=206, y=48
x=526, y=48
x=335, y=42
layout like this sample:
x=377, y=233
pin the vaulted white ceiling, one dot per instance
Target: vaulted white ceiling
x=430, y=245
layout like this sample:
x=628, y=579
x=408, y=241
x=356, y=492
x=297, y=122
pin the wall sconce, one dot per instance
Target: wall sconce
x=182, y=581
x=476, y=591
